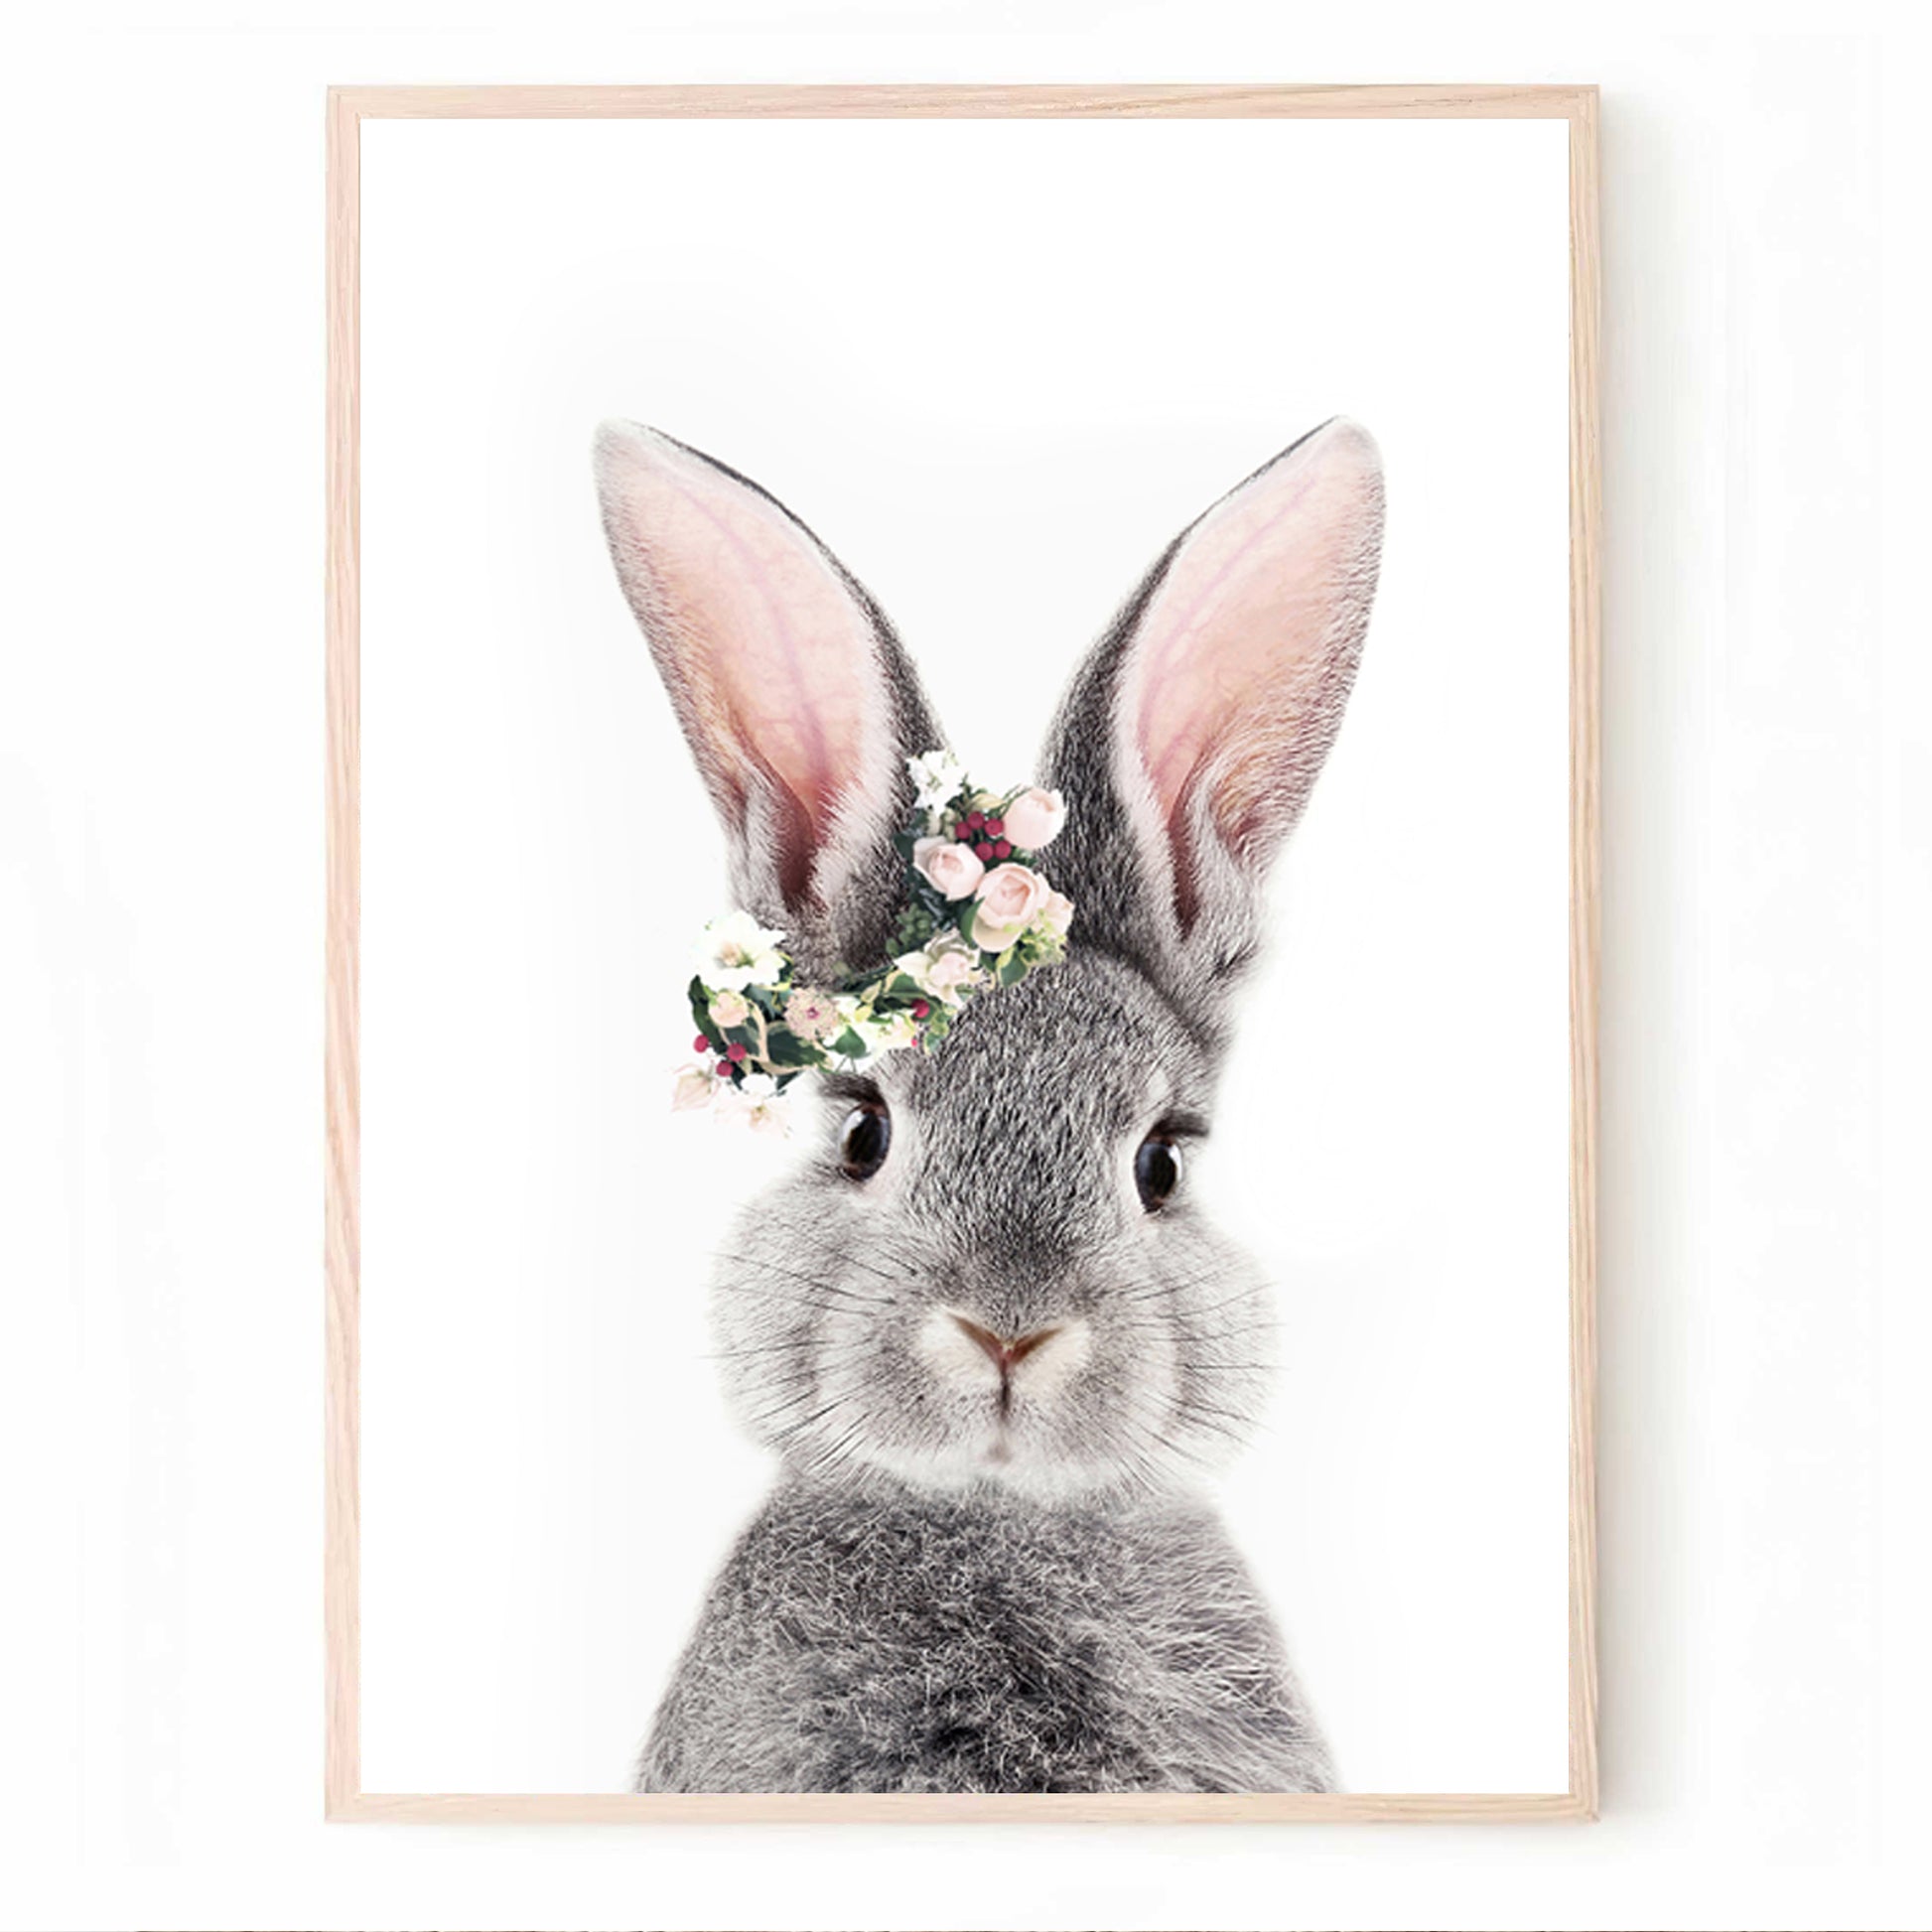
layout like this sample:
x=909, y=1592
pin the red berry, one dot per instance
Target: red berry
x=962, y=830
x=984, y=848
x=975, y=819
x=701, y=1044
x=996, y=826
x=921, y=1008
x=1003, y=850
x=735, y=1051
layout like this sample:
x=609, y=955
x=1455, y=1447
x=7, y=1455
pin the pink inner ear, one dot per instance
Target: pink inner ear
x=771, y=658
x=1245, y=653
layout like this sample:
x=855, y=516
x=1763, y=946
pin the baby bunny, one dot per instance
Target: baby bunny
x=985, y=1327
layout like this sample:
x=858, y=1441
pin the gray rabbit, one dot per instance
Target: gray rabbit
x=983, y=1326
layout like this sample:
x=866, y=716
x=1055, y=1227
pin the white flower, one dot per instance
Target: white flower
x=952, y=866
x=692, y=1086
x=851, y=1016
x=1034, y=818
x=892, y=1031
x=738, y=952
x=757, y=1103
x=946, y=970
x=729, y=1008
x=936, y=775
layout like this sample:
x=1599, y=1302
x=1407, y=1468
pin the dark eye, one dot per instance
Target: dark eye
x=1156, y=1170
x=865, y=1140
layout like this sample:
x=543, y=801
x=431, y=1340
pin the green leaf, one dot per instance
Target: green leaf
x=783, y=1047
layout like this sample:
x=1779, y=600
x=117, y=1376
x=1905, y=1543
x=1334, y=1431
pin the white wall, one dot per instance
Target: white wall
x=998, y=432
x=1765, y=1445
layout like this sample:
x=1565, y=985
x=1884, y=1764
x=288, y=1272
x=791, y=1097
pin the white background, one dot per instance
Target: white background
x=1765, y=1437
x=941, y=343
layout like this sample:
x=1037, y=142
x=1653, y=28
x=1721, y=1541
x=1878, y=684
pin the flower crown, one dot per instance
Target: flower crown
x=979, y=916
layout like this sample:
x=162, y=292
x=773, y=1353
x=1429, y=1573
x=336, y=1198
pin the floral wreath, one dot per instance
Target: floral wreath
x=980, y=916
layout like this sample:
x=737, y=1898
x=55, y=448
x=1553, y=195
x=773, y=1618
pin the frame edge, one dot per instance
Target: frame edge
x=346, y=107
x=861, y=1808
x=341, y=1184
x=968, y=100
x=1585, y=515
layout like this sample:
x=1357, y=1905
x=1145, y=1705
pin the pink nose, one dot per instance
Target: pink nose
x=1006, y=1352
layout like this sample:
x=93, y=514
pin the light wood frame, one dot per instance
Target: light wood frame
x=347, y=108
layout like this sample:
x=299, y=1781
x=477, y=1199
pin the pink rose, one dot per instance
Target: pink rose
x=1009, y=898
x=1034, y=818
x=954, y=869
x=729, y=1008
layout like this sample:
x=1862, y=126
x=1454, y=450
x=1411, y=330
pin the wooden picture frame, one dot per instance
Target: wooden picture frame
x=347, y=108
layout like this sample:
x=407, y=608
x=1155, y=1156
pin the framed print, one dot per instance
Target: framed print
x=962, y=932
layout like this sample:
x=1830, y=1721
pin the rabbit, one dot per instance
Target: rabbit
x=984, y=1325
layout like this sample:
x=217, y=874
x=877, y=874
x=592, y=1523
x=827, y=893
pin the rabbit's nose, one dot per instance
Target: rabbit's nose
x=1006, y=1352
x=1038, y=1364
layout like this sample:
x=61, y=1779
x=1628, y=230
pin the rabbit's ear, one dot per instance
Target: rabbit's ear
x=797, y=701
x=1193, y=736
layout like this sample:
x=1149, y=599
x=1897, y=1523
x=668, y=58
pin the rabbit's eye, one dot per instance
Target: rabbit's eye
x=865, y=1139
x=1156, y=1170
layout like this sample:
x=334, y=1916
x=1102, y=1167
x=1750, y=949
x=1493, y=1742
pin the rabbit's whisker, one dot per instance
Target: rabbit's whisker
x=1232, y=1301
x=835, y=1262
x=820, y=1414
x=838, y=1453
x=814, y=1282
x=791, y=1301
x=793, y=1344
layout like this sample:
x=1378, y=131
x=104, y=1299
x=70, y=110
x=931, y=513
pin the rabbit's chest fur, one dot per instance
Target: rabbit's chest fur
x=915, y=1643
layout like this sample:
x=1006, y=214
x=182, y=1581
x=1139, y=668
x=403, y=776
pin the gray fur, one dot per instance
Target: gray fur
x=957, y=1587
x=894, y=1642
